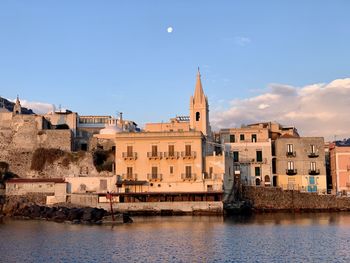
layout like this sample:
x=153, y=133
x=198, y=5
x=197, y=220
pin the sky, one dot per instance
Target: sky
x=285, y=61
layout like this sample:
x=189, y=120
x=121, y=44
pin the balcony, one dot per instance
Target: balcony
x=313, y=155
x=129, y=155
x=187, y=176
x=129, y=177
x=154, y=177
x=188, y=155
x=154, y=155
x=212, y=176
x=314, y=171
x=171, y=155
x=291, y=171
x=291, y=154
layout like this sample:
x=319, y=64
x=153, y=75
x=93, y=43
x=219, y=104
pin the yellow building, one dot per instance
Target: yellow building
x=172, y=157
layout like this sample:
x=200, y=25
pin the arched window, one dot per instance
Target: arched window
x=257, y=181
x=197, y=116
x=267, y=179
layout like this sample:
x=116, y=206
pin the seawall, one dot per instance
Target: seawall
x=270, y=199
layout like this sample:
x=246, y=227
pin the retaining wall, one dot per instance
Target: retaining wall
x=272, y=198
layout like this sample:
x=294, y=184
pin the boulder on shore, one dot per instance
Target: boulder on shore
x=87, y=215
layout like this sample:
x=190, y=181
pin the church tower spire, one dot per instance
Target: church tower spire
x=199, y=109
x=17, y=109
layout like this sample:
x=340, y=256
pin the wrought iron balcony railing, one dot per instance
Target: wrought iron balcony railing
x=291, y=171
x=129, y=155
x=314, y=171
x=154, y=177
x=291, y=154
x=171, y=155
x=154, y=155
x=313, y=155
x=188, y=176
x=212, y=176
x=127, y=176
x=190, y=155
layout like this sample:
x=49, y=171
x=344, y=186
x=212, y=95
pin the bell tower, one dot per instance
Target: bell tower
x=199, y=109
x=17, y=109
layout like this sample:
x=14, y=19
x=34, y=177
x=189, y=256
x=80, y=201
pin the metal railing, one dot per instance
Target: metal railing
x=212, y=176
x=188, y=176
x=188, y=154
x=129, y=176
x=171, y=155
x=155, y=155
x=313, y=155
x=154, y=177
x=291, y=154
x=314, y=171
x=291, y=171
x=129, y=155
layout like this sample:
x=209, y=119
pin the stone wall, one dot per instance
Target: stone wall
x=60, y=139
x=204, y=207
x=16, y=202
x=272, y=198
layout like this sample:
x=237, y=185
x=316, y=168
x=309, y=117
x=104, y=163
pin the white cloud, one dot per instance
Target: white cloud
x=315, y=110
x=242, y=41
x=263, y=106
x=37, y=107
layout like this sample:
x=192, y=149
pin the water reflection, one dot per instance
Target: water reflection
x=260, y=238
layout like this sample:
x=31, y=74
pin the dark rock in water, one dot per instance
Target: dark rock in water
x=127, y=218
x=35, y=211
x=50, y=212
x=98, y=214
x=60, y=215
x=75, y=214
x=87, y=214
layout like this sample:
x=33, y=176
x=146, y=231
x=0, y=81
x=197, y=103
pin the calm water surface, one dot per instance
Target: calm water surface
x=262, y=238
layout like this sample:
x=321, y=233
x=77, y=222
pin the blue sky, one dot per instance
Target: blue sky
x=99, y=57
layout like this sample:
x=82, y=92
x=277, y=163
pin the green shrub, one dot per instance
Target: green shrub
x=42, y=157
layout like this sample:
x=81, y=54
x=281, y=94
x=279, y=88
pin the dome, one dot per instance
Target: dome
x=110, y=129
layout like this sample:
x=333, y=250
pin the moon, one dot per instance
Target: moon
x=170, y=29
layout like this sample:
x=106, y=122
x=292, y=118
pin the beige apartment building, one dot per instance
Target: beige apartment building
x=300, y=163
x=251, y=151
x=173, y=157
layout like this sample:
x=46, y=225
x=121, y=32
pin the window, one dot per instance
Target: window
x=313, y=166
x=253, y=137
x=232, y=138
x=154, y=150
x=129, y=151
x=154, y=172
x=129, y=172
x=257, y=171
x=171, y=150
x=290, y=165
x=290, y=148
x=236, y=156
x=188, y=150
x=259, y=156
x=241, y=137
x=257, y=181
x=198, y=115
x=103, y=184
x=171, y=169
x=188, y=171
x=210, y=171
x=313, y=148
